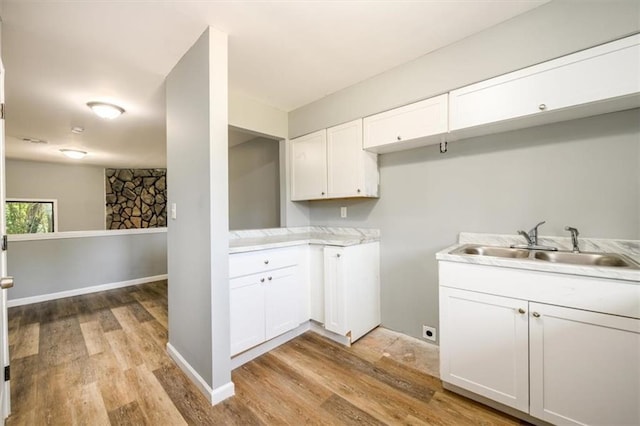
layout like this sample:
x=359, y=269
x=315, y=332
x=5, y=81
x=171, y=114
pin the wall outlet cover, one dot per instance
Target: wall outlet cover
x=343, y=212
x=429, y=333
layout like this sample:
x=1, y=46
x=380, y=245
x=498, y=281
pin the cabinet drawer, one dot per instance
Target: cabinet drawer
x=401, y=128
x=241, y=264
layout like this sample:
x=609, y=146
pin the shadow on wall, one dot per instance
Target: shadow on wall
x=136, y=198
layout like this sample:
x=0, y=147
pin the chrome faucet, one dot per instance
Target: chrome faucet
x=574, y=238
x=532, y=239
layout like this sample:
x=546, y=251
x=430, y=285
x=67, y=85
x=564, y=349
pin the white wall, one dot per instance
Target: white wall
x=79, y=190
x=583, y=173
x=254, y=184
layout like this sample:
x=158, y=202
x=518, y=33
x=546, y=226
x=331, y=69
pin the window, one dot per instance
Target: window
x=31, y=216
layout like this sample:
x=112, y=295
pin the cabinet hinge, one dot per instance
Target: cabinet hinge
x=2, y=111
x=5, y=243
x=7, y=373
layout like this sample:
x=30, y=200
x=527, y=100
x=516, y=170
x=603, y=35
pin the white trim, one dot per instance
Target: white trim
x=214, y=396
x=84, y=234
x=85, y=290
x=256, y=351
x=223, y=392
x=53, y=201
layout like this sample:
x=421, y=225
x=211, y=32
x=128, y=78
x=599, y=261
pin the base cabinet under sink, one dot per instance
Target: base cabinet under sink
x=558, y=364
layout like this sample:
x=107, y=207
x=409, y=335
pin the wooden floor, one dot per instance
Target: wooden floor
x=101, y=359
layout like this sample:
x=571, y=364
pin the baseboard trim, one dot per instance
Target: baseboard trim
x=214, y=396
x=85, y=290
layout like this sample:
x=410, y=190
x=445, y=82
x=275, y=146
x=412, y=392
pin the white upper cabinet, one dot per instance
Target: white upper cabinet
x=418, y=124
x=602, y=79
x=352, y=172
x=309, y=166
x=332, y=164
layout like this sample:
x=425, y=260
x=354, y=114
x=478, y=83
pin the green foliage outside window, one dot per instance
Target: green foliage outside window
x=29, y=217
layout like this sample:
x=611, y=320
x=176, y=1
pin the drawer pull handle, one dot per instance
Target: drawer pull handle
x=266, y=262
x=270, y=278
x=522, y=311
x=261, y=280
x=535, y=314
x=542, y=107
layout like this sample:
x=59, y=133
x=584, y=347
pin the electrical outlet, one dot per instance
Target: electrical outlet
x=429, y=333
x=343, y=212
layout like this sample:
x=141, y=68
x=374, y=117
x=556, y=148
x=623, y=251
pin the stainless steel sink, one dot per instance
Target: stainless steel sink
x=592, y=259
x=478, y=250
x=611, y=260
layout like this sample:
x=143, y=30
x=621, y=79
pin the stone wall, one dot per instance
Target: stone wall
x=136, y=198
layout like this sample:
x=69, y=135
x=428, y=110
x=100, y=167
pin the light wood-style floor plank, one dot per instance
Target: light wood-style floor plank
x=100, y=359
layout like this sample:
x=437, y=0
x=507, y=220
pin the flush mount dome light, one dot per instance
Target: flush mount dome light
x=105, y=110
x=73, y=153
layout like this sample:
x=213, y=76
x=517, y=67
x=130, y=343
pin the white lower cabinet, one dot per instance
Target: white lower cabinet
x=263, y=306
x=352, y=289
x=559, y=364
x=484, y=345
x=585, y=367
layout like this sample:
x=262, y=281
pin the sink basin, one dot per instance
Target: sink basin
x=590, y=259
x=492, y=251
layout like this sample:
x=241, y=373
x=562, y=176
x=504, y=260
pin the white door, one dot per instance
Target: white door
x=344, y=160
x=309, y=166
x=585, y=367
x=335, y=309
x=282, y=301
x=5, y=402
x=484, y=345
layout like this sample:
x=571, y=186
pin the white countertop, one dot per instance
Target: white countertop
x=629, y=248
x=260, y=239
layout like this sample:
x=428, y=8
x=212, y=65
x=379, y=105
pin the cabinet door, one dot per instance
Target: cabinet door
x=351, y=171
x=585, y=367
x=484, y=345
x=246, y=313
x=282, y=301
x=410, y=126
x=602, y=73
x=316, y=282
x=335, y=314
x=309, y=166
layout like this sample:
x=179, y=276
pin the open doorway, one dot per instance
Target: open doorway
x=254, y=180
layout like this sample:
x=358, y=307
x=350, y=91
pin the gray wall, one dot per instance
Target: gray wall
x=49, y=266
x=584, y=172
x=79, y=190
x=254, y=184
x=197, y=158
x=554, y=29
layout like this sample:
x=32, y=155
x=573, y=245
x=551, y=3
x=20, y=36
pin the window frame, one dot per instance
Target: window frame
x=53, y=201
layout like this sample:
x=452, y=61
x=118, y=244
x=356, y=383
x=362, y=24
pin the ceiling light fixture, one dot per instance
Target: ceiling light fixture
x=73, y=153
x=77, y=130
x=34, y=140
x=105, y=110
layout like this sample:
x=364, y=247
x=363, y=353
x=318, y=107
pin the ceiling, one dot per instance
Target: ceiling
x=59, y=55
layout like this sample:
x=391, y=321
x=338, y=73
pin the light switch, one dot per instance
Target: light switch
x=343, y=212
x=174, y=213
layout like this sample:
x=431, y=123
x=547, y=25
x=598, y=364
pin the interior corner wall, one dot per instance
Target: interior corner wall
x=584, y=173
x=197, y=240
x=79, y=190
x=254, y=184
